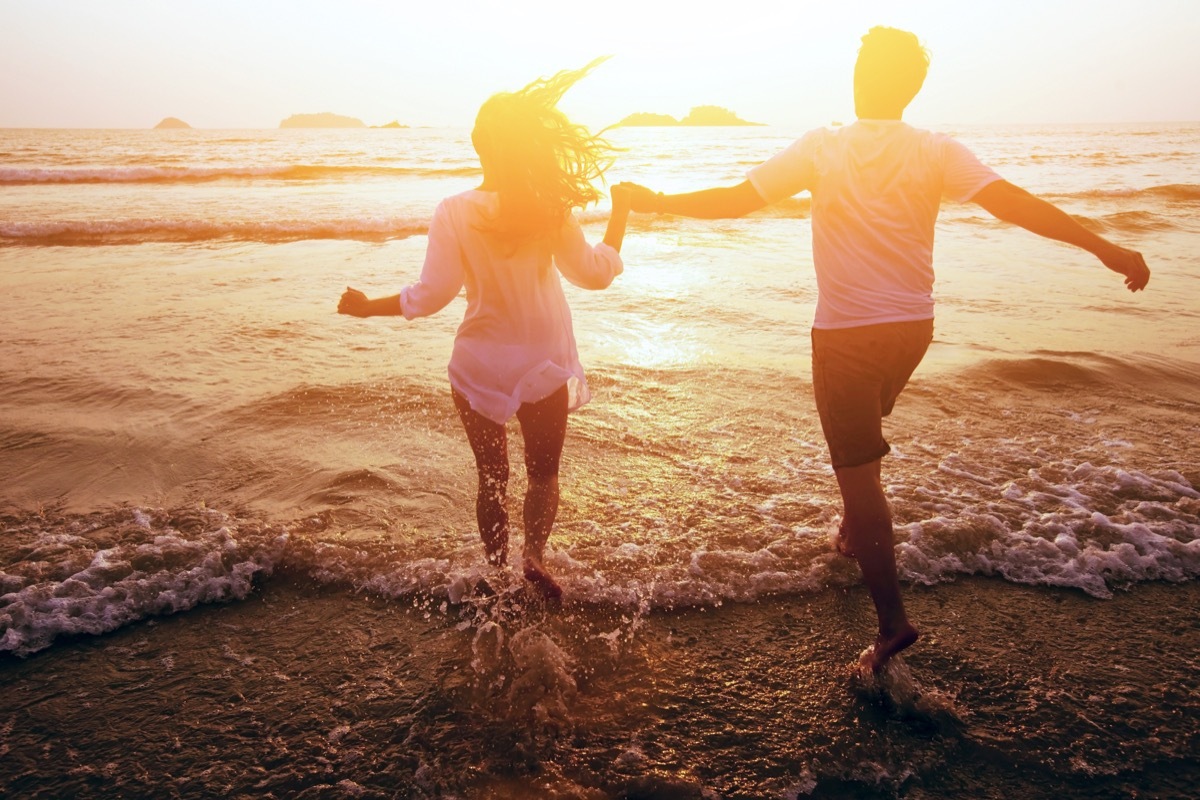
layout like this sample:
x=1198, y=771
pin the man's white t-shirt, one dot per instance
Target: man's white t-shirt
x=876, y=188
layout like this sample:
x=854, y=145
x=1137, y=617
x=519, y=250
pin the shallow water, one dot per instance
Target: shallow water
x=237, y=492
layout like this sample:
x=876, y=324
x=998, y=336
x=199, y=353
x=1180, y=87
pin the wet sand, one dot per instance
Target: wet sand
x=1013, y=691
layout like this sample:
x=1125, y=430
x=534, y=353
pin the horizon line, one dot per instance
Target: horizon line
x=467, y=126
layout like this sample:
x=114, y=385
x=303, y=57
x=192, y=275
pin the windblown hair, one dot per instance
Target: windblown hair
x=891, y=68
x=542, y=164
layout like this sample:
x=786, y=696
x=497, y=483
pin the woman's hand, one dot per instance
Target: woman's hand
x=615, y=234
x=354, y=303
x=641, y=199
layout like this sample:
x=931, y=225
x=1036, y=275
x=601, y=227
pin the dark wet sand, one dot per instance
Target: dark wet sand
x=1020, y=692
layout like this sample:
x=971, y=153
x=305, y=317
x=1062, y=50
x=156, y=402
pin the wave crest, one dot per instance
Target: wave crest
x=1171, y=192
x=136, y=231
x=159, y=174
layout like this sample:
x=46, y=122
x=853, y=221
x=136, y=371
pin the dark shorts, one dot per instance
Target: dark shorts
x=857, y=375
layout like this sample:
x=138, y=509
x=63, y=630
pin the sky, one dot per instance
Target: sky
x=252, y=63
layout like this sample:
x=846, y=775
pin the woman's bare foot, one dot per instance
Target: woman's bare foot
x=495, y=550
x=841, y=543
x=877, y=656
x=536, y=574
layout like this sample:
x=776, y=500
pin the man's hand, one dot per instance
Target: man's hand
x=1011, y=203
x=641, y=199
x=1130, y=264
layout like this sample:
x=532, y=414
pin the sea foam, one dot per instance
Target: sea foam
x=91, y=575
x=165, y=573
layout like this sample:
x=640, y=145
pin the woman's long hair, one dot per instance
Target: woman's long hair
x=541, y=164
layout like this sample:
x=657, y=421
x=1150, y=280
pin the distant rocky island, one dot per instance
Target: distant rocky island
x=328, y=120
x=322, y=120
x=699, y=116
x=172, y=122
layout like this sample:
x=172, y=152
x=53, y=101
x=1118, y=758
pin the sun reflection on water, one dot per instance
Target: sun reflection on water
x=662, y=343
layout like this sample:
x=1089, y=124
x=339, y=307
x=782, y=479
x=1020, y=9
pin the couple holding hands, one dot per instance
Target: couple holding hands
x=876, y=188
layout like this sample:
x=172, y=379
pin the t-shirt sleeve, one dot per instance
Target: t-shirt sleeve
x=963, y=175
x=582, y=264
x=443, y=273
x=788, y=172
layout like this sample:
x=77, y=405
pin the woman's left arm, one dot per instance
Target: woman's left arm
x=357, y=304
x=440, y=282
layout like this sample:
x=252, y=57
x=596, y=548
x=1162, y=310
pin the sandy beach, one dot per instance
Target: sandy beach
x=1013, y=692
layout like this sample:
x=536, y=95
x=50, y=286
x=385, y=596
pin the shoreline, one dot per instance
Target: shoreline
x=295, y=691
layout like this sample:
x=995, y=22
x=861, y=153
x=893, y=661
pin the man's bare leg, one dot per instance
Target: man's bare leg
x=867, y=529
x=841, y=543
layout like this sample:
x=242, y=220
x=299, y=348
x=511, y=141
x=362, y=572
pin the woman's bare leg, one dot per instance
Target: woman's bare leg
x=544, y=428
x=490, y=446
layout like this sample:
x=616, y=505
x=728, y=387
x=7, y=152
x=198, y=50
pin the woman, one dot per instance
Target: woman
x=508, y=241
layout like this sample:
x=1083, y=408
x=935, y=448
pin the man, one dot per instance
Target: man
x=876, y=189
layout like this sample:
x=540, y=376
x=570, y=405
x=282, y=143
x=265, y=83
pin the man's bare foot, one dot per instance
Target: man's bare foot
x=841, y=544
x=536, y=574
x=877, y=656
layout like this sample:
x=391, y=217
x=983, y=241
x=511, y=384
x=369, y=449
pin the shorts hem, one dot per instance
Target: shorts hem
x=849, y=463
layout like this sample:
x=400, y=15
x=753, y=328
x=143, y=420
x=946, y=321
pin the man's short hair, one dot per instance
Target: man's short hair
x=891, y=68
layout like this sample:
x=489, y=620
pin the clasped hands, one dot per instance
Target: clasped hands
x=640, y=199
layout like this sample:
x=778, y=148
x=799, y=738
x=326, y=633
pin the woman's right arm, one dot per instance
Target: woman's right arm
x=615, y=235
x=582, y=264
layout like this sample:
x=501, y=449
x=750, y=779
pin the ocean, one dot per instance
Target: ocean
x=238, y=554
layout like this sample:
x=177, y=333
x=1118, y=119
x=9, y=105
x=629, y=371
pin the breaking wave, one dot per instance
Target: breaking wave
x=282, y=172
x=91, y=574
x=135, y=231
x=1171, y=192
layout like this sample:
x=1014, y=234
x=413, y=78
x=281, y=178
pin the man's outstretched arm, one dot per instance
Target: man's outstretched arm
x=724, y=202
x=1011, y=203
